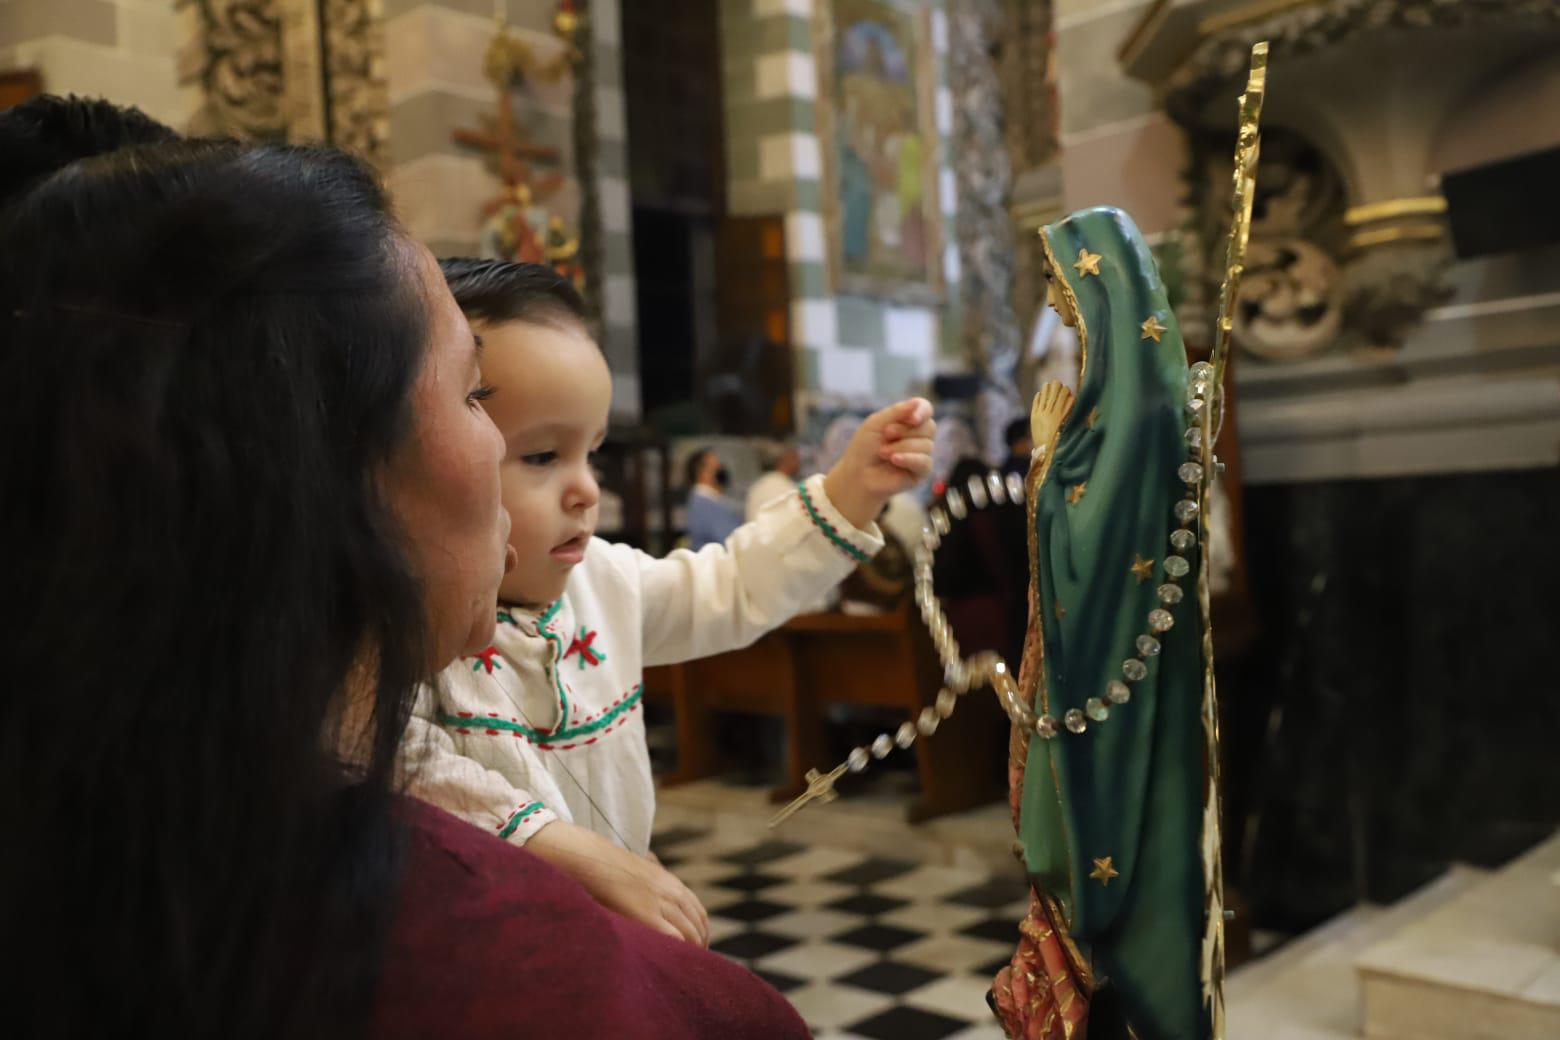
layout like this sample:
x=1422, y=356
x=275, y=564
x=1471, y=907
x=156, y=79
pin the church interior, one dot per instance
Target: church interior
x=785, y=215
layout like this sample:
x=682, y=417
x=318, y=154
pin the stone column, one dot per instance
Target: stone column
x=985, y=232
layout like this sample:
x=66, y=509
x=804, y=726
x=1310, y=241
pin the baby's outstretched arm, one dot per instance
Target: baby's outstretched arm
x=725, y=596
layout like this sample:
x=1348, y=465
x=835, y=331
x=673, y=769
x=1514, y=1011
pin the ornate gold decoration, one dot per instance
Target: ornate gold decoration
x=516, y=226
x=1075, y=493
x=1153, y=328
x=1142, y=570
x=1104, y=870
x=1088, y=263
x=1362, y=240
x=1248, y=147
x=1392, y=209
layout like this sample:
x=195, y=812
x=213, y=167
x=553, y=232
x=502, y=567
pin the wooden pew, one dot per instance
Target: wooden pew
x=881, y=660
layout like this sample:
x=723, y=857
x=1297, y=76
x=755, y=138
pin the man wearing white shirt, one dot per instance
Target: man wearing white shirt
x=776, y=482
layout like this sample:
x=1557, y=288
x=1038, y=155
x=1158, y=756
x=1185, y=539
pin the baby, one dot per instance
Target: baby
x=540, y=738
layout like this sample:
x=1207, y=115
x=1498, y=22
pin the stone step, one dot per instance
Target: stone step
x=1486, y=965
x=1307, y=988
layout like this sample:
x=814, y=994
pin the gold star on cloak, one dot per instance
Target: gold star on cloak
x=1075, y=495
x=1094, y=417
x=1152, y=329
x=1088, y=263
x=1103, y=871
x=1142, y=569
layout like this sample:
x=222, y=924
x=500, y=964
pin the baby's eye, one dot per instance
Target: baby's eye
x=540, y=458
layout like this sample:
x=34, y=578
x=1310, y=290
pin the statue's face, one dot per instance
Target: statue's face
x=1058, y=300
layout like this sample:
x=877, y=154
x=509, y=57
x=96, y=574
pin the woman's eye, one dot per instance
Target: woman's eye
x=481, y=393
x=539, y=458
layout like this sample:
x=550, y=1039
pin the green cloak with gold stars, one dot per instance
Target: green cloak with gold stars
x=1110, y=818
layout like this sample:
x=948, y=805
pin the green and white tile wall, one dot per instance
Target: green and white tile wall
x=434, y=51
x=852, y=351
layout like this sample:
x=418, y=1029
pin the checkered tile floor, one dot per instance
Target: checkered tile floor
x=863, y=946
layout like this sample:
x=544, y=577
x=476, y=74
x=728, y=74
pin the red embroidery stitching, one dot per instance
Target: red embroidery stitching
x=582, y=646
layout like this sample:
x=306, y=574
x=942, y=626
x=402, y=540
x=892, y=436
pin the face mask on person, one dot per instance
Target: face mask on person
x=723, y=477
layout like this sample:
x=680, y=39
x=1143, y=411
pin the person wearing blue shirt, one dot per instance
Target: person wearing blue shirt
x=711, y=517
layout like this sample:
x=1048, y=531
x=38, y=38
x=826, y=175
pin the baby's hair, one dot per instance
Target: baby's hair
x=503, y=290
x=48, y=133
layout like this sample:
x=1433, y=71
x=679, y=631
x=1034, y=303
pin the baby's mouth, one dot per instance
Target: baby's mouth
x=572, y=550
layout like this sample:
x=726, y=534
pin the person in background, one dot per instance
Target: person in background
x=1019, y=446
x=778, y=480
x=711, y=515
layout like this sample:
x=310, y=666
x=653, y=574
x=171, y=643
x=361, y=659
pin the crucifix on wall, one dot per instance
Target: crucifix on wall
x=518, y=225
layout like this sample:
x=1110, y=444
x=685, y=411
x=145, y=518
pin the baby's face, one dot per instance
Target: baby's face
x=554, y=392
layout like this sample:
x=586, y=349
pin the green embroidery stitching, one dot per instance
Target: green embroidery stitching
x=508, y=726
x=550, y=612
x=556, y=642
x=828, y=529
x=519, y=817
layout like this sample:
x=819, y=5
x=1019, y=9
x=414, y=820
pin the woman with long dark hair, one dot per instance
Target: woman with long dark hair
x=250, y=501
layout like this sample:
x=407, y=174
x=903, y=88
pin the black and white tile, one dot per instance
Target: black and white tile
x=866, y=947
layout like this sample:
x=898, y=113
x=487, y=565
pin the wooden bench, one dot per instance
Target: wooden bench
x=881, y=660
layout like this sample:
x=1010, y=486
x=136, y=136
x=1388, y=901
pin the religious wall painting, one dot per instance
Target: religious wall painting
x=880, y=148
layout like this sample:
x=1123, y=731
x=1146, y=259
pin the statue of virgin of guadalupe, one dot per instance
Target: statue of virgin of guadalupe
x=1107, y=787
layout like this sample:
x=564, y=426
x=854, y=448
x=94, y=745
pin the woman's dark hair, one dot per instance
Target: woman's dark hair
x=207, y=352
x=502, y=290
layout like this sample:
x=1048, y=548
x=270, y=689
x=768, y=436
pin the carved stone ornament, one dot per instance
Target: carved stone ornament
x=1292, y=299
x=233, y=53
x=358, y=114
x=1220, y=61
x=265, y=74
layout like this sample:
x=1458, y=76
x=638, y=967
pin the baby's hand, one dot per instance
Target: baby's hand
x=634, y=886
x=890, y=452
